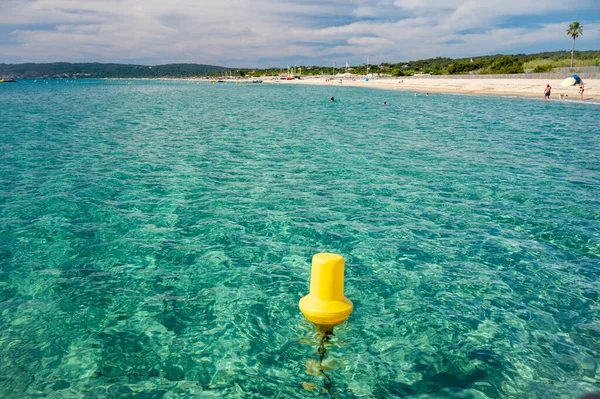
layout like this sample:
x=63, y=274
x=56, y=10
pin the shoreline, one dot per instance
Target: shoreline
x=503, y=87
x=493, y=87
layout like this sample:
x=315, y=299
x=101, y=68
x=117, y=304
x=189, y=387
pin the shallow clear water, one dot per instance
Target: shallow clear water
x=155, y=239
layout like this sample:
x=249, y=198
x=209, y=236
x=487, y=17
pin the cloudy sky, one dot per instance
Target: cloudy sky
x=260, y=33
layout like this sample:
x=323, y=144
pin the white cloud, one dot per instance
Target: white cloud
x=241, y=33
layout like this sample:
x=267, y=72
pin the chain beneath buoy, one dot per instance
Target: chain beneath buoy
x=322, y=351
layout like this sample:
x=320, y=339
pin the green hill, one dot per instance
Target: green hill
x=98, y=70
x=489, y=60
x=488, y=64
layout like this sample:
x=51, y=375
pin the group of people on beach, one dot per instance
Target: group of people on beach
x=548, y=90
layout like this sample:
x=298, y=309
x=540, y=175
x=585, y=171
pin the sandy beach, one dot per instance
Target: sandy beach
x=490, y=86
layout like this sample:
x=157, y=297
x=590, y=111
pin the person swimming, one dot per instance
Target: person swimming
x=385, y=103
x=332, y=99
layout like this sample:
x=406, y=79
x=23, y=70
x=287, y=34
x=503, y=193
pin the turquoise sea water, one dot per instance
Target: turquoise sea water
x=155, y=239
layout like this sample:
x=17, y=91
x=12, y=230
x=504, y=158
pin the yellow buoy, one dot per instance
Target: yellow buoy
x=325, y=305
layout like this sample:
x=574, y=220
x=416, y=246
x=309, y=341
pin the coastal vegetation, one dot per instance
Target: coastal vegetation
x=496, y=64
x=489, y=64
x=98, y=70
x=561, y=63
x=503, y=65
x=542, y=68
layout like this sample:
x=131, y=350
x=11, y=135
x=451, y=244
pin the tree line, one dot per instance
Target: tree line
x=490, y=64
x=100, y=70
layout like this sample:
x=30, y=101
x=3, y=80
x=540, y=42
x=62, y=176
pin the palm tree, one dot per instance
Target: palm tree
x=575, y=30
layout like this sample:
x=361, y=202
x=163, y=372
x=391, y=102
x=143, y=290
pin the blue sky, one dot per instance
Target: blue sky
x=263, y=33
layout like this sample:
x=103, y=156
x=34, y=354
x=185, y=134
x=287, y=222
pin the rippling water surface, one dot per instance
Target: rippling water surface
x=155, y=239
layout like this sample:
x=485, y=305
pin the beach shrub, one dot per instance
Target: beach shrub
x=437, y=70
x=506, y=65
x=543, y=68
x=397, y=72
x=555, y=62
x=464, y=66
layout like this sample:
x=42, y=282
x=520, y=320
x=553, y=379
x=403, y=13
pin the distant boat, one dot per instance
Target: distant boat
x=220, y=81
x=9, y=80
x=38, y=81
x=257, y=81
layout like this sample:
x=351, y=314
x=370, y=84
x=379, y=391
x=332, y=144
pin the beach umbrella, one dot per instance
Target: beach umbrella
x=568, y=82
x=577, y=79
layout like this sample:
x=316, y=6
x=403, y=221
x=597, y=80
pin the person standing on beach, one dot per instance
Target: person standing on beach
x=547, y=92
x=581, y=90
